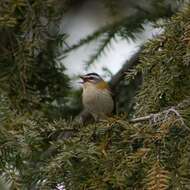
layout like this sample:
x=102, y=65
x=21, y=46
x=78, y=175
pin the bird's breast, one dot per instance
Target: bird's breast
x=90, y=94
x=97, y=100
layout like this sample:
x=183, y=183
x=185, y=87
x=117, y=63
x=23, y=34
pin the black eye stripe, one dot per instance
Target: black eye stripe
x=90, y=78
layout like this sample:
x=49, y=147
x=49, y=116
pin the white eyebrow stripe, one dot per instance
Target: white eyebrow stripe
x=93, y=76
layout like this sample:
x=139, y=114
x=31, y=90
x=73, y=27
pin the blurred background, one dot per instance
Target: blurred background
x=86, y=19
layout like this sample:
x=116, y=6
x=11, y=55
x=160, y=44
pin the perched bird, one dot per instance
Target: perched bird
x=96, y=97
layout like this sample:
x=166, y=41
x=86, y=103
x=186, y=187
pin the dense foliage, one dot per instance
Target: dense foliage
x=30, y=41
x=151, y=152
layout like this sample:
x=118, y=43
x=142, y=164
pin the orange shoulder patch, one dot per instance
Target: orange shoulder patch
x=102, y=85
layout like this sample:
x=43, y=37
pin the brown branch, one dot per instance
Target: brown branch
x=140, y=119
x=161, y=117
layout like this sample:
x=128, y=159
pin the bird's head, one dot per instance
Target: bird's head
x=94, y=79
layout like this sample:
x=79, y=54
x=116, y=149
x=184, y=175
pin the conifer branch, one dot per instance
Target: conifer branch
x=126, y=27
x=101, y=49
x=129, y=64
x=160, y=117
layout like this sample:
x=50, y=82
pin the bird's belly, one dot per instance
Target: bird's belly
x=98, y=102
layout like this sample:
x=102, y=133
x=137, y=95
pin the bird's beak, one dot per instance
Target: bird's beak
x=83, y=79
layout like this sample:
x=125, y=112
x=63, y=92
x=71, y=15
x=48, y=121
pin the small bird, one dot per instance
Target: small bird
x=96, y=97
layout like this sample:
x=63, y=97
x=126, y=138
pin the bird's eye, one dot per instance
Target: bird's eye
x=90, y=78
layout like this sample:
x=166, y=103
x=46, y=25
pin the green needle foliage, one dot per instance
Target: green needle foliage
x=116, y=154
x=30, y=41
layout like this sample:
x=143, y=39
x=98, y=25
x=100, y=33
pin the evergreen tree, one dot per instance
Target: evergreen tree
x=30, y=40
x=149, y=151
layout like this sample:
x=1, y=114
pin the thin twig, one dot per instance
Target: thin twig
x=139, y=119
x=157, y=118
